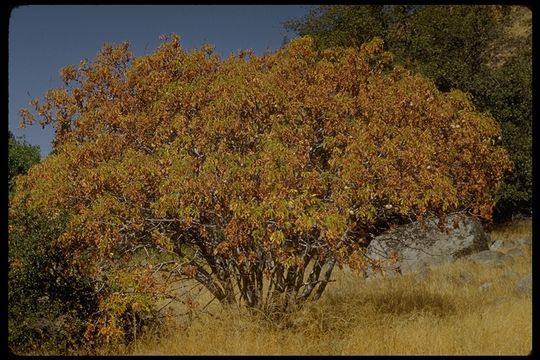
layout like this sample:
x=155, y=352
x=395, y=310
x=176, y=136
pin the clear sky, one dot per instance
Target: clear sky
x=43, y=39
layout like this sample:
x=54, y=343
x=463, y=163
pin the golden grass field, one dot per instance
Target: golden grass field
x=394, y=316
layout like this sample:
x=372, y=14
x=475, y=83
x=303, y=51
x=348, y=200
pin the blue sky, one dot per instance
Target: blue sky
x=43, y=39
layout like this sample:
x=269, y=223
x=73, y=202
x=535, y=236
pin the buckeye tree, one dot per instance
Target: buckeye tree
x=254, y=175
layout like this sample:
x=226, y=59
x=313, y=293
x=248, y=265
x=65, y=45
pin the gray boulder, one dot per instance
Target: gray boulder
x=524, y=286
x=525, y=242
x=421, y=244
x=488, y=257
x=514, y=252
x=510, y=244
x=496, y=245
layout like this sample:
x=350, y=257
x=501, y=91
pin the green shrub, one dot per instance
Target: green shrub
x=21, y=156
x=47, y=305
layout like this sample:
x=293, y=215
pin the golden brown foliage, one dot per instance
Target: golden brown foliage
x=250, y=169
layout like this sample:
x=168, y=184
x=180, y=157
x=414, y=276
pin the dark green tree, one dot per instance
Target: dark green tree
x=21, y=156
x=447, y=43
x=505, y=91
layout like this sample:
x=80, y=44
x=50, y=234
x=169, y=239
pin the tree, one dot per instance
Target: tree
x=21, y=156
x=342, y=25
x=504, y=88
x=506, y=91
x=255, y=176
x=482, y=50
x=449, y=43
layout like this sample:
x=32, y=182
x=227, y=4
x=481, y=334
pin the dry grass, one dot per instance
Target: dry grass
x=404, y=315
x=519, y=229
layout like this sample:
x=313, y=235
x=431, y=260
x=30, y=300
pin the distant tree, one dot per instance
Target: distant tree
x=448, y=43
x=255, y=176
x=506, y=92
x=21, y=156
x=341, y=25
x=484, y=50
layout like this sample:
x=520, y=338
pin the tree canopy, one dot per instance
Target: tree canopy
x=21, y=156
x=484, y=50
x=254, y=175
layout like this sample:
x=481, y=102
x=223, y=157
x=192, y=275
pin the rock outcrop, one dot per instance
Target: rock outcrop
x=422, y=244
x=487, y=257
